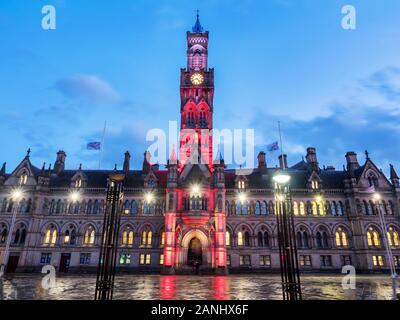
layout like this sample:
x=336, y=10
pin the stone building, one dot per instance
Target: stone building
x=200, y=212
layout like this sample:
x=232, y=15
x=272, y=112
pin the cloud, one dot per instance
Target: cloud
x=87, y=87
x=356, y=123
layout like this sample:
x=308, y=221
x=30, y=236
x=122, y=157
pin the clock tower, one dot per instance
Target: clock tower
x=195, y=219
x=197, y=94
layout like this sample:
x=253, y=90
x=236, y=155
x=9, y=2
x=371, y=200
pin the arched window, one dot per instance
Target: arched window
x=319, y=240
x=340, y=209
x=322, y=239
x=96, y=207
x=334, y=208
x=89, y=209
x=162, y=238
x=309, y=208
x=52, y=208
x=70, y=235
x=240, y=239
x=238, y=208
x=314, y=208
x=271, y=209
x=302, y=239
x=390, y=207
x=302, y=210
x=264, y=208
x=20, y=234
x=147, y=237
x=127, y=236
x=299, y=239
x=373, y=180
x=227, y=208
x=227, y=238
x=373, y=238
x=50, y=237
x=295, y=208
x=23, y=179
x=134, y=208
x=247, y=239
x=245, y=208
x=4, y=205
x=341, y=238
x=266, y=239
x=258, y=208
x=127, y=207
x=393, y=237
x=260, y=241
x=58, y=206
x=89, y=237
x=321, y=208
x=3, y=233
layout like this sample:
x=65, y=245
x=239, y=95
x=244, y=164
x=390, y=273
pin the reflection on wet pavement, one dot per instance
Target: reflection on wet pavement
x=232, y=287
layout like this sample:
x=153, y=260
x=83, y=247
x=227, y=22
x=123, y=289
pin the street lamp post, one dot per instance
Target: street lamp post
x=16, y=196
x=389, y=253
x=289, y=265
x=109, y=242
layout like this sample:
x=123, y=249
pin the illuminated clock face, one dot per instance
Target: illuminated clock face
x=197, y=78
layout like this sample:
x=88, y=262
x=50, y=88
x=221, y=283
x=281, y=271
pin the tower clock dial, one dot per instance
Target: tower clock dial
x=197, y=78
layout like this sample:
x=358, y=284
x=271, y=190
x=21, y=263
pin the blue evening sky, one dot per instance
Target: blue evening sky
x=289, y=60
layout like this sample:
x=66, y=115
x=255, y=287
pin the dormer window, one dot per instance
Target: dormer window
x=78, y=183
x=373, y=180
x=23, y=179
x=241, y=185
x=314, y=185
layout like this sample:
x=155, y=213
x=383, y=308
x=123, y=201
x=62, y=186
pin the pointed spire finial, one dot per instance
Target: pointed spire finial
x=173, y=154
x=197, y=27
x=366, y=155
x=115, y=167
x=80, y=166
x=44, y=166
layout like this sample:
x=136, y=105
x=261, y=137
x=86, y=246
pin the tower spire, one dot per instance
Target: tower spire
x=197, y=27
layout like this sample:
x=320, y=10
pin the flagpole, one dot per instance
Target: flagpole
x=102, y=144
x=280, y=140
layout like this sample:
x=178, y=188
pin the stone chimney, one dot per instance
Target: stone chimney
x=311, y=159
x=59, y=165
x=262, y=162
x=146, y=162
x=352, y=162
x=127, y=160
x=283, y=161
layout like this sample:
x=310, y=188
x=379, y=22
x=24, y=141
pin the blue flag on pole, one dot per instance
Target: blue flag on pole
x=93, y=146
x=273, y=147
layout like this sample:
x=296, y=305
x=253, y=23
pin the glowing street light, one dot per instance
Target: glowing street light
x=242, y=197
x=74, y=196
x=377, y=196
x=149, y=197
x=281, y=178
x=17, y=194
x=196, y=189
x=318, y=199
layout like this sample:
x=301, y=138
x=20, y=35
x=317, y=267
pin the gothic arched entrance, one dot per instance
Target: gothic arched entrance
x=195, y=252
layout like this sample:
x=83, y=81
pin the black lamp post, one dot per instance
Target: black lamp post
x=289, y=264
x=109, y=242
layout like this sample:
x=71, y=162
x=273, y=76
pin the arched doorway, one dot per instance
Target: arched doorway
x=195, y=252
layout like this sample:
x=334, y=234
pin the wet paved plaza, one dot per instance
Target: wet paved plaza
x=234, y=287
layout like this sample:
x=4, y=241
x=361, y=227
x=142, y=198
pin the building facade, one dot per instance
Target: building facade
x=198, y=212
